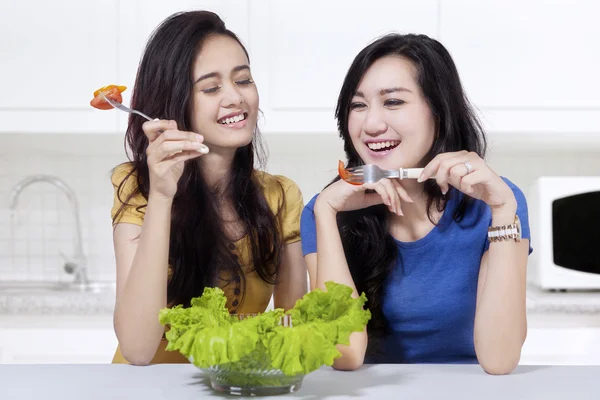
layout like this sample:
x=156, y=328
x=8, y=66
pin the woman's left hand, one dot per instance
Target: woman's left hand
x=467, y=172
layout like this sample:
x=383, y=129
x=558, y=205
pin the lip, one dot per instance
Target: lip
x=233, y=114
x=236, y=125
x=381, y=154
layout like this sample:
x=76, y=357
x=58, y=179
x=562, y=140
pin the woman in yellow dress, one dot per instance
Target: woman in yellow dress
x=190, y=209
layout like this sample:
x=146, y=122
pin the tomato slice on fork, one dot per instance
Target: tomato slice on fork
x=345, y=175
x=113, y=92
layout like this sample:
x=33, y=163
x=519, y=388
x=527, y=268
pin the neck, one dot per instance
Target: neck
x=415, y=223
x=216, y=165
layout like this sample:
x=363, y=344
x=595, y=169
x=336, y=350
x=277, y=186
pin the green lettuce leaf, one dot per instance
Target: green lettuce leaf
x=207, y=335
x=333, y=312
x=321, y=320
x=300, y=350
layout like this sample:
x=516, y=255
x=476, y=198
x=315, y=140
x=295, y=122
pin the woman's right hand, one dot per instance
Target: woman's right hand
x=342, y=196
x=167, y=151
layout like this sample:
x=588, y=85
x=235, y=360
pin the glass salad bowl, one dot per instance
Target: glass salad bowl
x=253, y=375
x=264, y=354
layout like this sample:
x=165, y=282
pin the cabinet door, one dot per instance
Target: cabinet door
x=54, y=55
x=57, y=346
x=529, y=66
x=562, y=346
x=301, y=51
x=138, y=19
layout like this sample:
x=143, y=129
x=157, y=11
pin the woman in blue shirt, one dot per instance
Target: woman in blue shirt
x=444, y=283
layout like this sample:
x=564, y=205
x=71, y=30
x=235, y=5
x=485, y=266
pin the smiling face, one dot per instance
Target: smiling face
x=389, y=121
x=225, y=99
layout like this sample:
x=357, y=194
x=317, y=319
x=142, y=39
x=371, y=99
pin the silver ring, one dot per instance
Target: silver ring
x=469, y=167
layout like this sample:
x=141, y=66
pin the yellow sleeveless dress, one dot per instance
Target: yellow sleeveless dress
x=258, y=292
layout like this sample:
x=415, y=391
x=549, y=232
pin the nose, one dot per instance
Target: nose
x=374, y=123
x=232, y=96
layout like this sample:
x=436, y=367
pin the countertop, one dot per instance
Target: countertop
x=94, y=303
x=184, y=381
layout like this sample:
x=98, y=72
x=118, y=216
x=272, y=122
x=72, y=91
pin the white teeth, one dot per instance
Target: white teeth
x=382, y=145
x=233, y=120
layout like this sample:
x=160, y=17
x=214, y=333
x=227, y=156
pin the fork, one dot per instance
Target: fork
x=121, y=107
x=371, y=173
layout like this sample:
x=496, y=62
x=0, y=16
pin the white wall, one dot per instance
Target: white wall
x=43, y=223
x=530, y=67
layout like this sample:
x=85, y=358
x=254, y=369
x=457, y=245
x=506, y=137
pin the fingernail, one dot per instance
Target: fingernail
x=199, y=137
x=421, y=178
x=173, y=125
x=203, y=149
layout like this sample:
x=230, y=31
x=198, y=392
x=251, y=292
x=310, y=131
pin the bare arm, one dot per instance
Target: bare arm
x=329, y=264
x=142, y=281
x=142, y=266
x=500, y=317
x=291, y=277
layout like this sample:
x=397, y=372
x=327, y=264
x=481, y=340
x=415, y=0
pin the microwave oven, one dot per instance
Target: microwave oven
x=564, y=216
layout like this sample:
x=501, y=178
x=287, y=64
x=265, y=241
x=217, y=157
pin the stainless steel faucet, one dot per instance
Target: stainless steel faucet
x=77, y=264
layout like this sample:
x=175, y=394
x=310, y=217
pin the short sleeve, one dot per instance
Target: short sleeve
x=126, y=210
x=522, y=212
x=292, y=209
x=308, y=228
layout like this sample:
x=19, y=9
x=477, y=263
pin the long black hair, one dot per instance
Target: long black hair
x=200, y=253
x=371, y=251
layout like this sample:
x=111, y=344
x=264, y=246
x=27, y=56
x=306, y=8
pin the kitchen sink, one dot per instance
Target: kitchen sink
x=24, y=287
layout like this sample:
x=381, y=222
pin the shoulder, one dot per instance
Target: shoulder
x=310, y=206
x=123, y=174
x=278, y=189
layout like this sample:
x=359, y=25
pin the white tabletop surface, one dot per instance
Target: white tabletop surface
x=406, y=382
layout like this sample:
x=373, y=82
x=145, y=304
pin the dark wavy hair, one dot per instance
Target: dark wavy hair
x=199, y=250
x=371, y=252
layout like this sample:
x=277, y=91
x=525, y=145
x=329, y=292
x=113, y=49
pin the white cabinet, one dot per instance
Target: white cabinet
x=57, y=340
x=567, y=339
x=562, y=346
x=54, y=55
x=529, y=66
x=302, y=49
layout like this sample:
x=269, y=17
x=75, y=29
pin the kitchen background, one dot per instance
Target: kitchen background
x=530, y=67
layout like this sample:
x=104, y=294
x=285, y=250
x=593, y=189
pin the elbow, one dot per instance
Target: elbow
x=134, y=350
x=353, y=357
x=500, y=364
x=137, y=356
x=348, y=363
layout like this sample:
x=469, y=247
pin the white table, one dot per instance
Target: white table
x=404, y=382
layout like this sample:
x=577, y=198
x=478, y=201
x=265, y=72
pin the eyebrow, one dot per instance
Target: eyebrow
x=217, y=75
x=383, y=92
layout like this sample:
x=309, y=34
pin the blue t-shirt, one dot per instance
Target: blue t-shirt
x=429, y=299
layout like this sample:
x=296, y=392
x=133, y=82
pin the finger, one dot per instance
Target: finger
x=401, y=191
x=171, y=135
x=372, y=199
x=381, y=191
x=456, y=174
x=179, y=158
x=391, y=190
x=153, y=129
x=169, y=148
x=431, y=168
x=469, y=181
x=443, y=174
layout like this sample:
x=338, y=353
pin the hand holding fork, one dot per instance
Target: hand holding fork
x=167, y=151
